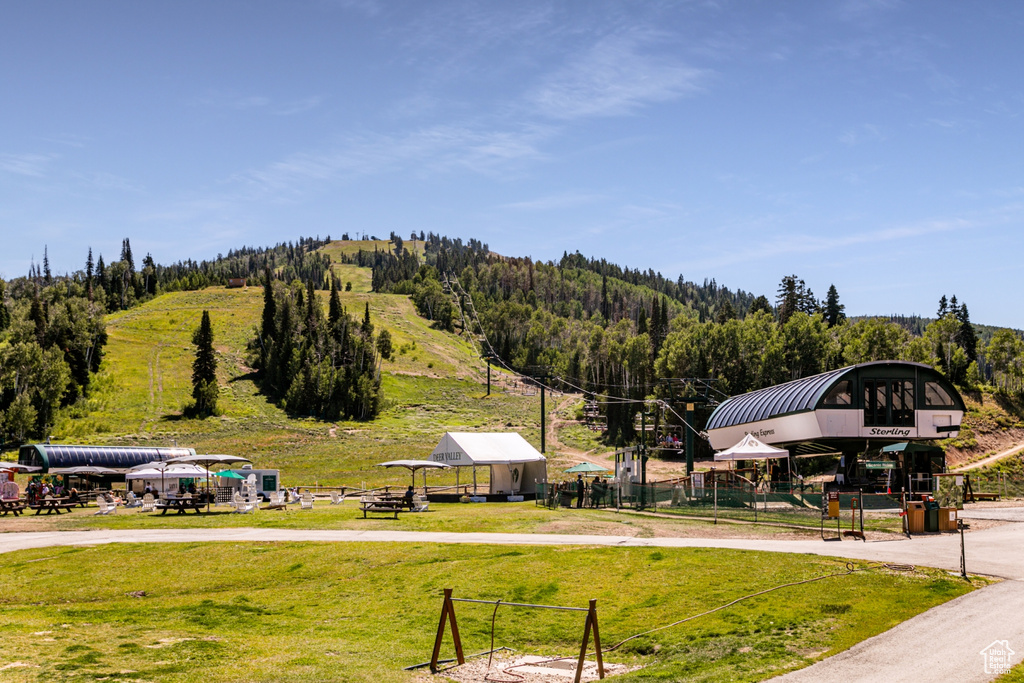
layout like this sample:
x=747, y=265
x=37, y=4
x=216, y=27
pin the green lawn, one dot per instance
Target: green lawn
x=360, y=612
x=452, y=517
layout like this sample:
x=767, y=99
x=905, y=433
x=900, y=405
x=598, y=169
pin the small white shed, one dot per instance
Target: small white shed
x=514, y=464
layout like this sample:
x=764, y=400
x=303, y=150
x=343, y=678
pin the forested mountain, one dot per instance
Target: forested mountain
x=617, y=333
x=51, y=326
x=613, y=332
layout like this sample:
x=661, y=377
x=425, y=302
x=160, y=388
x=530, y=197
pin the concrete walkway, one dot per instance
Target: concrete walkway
x=943, y=643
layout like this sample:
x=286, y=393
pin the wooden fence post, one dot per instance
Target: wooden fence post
x=447, y=610
x=591, y=624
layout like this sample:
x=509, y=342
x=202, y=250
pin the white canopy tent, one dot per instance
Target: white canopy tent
x=514, y=464
x=749, y=448
x=157, y=474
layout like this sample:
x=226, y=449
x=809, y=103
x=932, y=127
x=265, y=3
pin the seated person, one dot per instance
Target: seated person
x=409, y=493
x=73, y=496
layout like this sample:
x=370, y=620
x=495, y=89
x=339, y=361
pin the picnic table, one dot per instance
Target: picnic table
x=180, y=505
x=384, y=505
x=52, y=505
x=12, y=505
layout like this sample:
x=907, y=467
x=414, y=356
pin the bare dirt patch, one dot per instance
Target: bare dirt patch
x=529, y=669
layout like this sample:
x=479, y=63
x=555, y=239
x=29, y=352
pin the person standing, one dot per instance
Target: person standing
x=581, y=487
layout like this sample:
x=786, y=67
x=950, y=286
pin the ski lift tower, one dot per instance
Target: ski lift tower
x=691, y=391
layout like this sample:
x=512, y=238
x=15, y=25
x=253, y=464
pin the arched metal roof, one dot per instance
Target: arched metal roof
x=49, y=456
x=781, y=399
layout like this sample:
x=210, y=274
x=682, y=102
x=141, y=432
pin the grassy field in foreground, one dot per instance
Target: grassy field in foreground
x=452, y=517
x=360, y=612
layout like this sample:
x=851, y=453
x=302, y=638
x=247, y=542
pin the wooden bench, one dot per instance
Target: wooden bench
x=983, y=496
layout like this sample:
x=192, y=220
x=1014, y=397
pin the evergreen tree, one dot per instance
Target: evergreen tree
x=943, y=307
x=149, y=275
x=37, y=315
x=606, y=307
x=5, y=314
x=384, y=344
x=101, y=273
x=834, y=311
x=126, y=256
x=268, y=323
x=204, y=369
x=794, y=295
x=334, y=311
x=641, y=321
x=47, y=275
x=968, y=337
x=725, y=312
x=88, y=275
x=761, y=304
x=367, y=327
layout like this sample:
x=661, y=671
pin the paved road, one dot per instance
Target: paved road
x=943, y=643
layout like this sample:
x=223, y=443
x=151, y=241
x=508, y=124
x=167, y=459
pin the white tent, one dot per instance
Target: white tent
x=749, y=448
x=514, y=464
x=158, y=474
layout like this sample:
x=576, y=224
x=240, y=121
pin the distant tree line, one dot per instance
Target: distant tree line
x=616, y=332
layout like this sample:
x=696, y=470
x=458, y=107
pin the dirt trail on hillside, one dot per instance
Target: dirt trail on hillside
x=992, y=458
x=1000, y=443
x=656, y=469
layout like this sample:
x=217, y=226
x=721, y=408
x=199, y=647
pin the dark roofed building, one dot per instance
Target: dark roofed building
x=48, y=456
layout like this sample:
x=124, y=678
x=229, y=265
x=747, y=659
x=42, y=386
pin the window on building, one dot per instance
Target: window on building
x=902, y=402
x=876, y=402
x=936, y=395
x=840, y=395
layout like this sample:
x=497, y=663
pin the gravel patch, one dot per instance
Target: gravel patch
x=529, y=669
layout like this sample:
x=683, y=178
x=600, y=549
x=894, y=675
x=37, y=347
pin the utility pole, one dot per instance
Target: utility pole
x=696, y=391
x=690, y=409
x=541, y=374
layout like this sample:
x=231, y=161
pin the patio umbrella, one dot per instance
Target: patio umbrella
x=229, y=474
x=413, y=465
x=17, y=467
x=208, y=460
x=587, y=467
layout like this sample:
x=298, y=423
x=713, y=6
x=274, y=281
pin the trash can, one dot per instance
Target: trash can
x=947, y=519
x=931, y=515
x=915, y=517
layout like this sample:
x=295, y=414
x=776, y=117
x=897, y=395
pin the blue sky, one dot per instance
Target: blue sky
x=875, y=145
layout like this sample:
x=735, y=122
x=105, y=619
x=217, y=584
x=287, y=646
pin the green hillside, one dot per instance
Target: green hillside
x=434, y=383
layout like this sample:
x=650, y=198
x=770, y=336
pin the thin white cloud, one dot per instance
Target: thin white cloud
x=298, y=106
x=32, y=164
x=440, y=148
x=783, y=245
x=866, y=132
x=552, y=202
x=108, y=181
x=220, y=100
x=613, y=78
